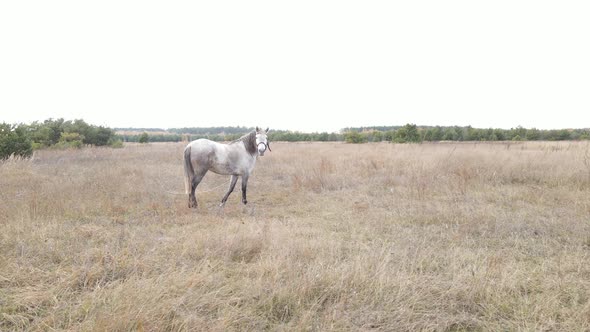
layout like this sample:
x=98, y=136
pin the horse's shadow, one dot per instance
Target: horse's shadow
x=232, y=210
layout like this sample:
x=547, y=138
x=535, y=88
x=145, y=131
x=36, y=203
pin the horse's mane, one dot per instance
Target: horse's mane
x=249, y=141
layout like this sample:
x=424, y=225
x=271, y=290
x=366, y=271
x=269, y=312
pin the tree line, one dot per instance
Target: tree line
x=221, y=134
x=22, y=139
x=409, y=133
x=413, y=133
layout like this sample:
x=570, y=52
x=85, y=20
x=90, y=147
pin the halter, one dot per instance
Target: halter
x=266, y=146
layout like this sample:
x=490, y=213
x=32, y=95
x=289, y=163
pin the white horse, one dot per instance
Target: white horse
x=236, y=159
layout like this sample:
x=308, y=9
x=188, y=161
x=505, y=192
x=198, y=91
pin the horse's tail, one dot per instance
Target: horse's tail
x=189, y=172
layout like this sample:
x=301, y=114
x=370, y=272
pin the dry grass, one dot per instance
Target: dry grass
x=436, y=237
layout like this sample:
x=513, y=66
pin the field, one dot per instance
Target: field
x=371, y=237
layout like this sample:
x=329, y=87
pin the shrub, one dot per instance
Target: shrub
x=14, y=141
x=116, y=143
x=354, y=137
x=408, y=133
x=49, y=133
x=70, y=140
x=144, y=138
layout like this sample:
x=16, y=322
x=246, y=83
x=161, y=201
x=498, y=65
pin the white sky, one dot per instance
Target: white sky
x=299, y=65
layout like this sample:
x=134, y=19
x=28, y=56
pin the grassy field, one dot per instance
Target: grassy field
x=372, y=237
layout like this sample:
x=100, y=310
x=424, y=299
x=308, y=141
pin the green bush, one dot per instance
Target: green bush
x=354, y=137
x=407, y=133
x=14, y=141
x=49, y=133
x=116, y=143
x=144, y=138
x=70, y=141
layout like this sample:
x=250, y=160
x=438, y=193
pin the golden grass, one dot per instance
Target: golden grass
x=436, y=237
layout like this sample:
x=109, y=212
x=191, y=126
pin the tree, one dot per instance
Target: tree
x=407, y=133
x=56, y=127
x=518, y=133
x=564, y=135
x=400, y=135
x=377, y=136
x=389, y=135
x=413, y=134
x=450, y=134
x=70, y=140
x=103, y=136
x=500, y=134
x=533, y=134
x=49, y=132
x=14, y=141
x=144, y=138
x=471, y=134
x=428, y=135
x=354, y=137
x=437, y=133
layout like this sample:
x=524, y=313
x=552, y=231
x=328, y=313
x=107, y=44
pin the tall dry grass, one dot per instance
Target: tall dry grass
x=439, y=237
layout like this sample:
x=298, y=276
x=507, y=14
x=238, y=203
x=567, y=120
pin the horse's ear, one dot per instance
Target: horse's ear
x=257, y=129
x=266, y=130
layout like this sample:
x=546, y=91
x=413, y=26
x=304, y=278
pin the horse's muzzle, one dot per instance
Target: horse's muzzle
x=262, y=148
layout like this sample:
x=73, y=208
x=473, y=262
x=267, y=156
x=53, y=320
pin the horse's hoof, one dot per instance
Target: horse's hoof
x=245, y=202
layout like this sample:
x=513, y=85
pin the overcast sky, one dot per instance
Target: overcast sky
x=299, y=65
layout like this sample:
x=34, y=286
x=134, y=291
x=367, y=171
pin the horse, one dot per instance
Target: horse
x=236, y=158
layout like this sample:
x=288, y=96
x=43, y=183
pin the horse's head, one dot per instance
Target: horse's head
x=262, y=141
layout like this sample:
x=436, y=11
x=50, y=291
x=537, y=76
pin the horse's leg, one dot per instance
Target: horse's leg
x=244, y=187
x=232, y=185
x=192, y=199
